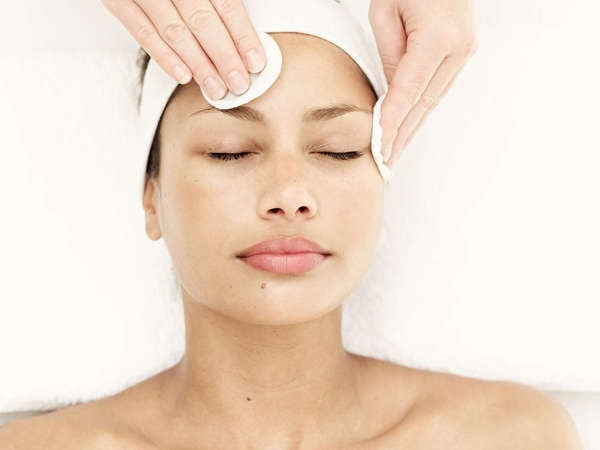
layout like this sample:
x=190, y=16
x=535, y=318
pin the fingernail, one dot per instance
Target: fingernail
x=237, y=82
x=255, y=61
x=183, y=76
x=216, y=90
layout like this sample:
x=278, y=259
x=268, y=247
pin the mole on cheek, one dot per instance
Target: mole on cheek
x=263, y=285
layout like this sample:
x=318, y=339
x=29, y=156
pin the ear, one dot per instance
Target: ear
x=149, y=202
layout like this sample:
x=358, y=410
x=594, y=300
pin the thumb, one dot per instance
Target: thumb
x=389, y=33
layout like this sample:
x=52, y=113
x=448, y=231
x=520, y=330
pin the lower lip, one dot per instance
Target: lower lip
x=285, y=263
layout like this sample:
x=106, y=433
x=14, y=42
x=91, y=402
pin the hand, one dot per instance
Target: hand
x=423, y=44
x=184, y=35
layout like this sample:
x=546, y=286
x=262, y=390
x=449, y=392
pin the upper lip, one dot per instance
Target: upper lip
x=285, y=245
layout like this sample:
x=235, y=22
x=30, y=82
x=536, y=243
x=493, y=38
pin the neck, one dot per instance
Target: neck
x=264, y=384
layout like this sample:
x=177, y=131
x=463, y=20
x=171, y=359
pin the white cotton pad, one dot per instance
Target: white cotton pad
x=326, y=19
x=259, y=82
x=376, y=144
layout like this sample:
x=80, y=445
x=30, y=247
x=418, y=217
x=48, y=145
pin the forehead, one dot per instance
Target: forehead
x=314, y=72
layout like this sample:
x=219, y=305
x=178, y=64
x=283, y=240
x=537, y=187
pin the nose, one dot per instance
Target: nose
x=301, y=211
x=289, y=192
x=291, y=202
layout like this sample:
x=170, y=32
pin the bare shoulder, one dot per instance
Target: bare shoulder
x=44, y=431
x=531, y=418
x=71, y=428
x=456, y=412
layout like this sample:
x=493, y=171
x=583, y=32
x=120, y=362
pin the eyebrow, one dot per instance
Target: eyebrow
x=243, y=112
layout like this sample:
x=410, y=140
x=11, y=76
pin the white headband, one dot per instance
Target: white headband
x=326, y=19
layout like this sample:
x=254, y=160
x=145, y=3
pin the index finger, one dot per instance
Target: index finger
x=411, y=77
x=235, y=17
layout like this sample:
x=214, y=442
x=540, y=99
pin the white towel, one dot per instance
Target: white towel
x=490, y=263
x=326, y=19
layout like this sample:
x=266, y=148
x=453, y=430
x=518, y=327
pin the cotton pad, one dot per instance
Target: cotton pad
x=259, y=82
x=326, y=19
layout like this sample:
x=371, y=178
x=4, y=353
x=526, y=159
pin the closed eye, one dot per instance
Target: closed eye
x=230, y=156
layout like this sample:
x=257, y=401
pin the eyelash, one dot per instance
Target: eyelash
x=231, y=156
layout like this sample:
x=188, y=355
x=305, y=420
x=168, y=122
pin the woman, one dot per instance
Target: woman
x=264, y=365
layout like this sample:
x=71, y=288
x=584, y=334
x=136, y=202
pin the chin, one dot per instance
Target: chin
x=273, y=309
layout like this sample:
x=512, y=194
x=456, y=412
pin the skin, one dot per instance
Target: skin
x=423, y=45
x=264, y=362
x=264, y=365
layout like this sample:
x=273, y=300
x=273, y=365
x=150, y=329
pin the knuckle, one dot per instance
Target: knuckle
x=197, y=69
x=175, y=32
x=200, y=69
x=164, y=55
x=388, y=57
x=447, y=36
x=243, y=40
x=428, y=101
x=200, y=18
x=145, y=34
x=388, y=65
x=388, y=61
x=228, y=7
x=410, y=92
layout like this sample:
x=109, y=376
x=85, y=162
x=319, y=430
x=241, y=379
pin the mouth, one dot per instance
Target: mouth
x=285, y=263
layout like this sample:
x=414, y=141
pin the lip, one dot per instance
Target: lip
x=284, y=246
x=285, y=263
x=285, y=255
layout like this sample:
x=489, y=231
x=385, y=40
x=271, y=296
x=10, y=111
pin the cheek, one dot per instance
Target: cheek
x=361, y=209
x=359, y=212
x=203, y=233
x=206, y=207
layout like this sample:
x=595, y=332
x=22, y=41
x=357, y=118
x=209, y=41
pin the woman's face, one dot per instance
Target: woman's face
x=208, y=210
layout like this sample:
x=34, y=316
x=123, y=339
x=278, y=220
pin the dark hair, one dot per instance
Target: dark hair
x=153, y=164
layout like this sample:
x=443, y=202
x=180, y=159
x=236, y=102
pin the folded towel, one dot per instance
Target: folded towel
x=486, y=267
